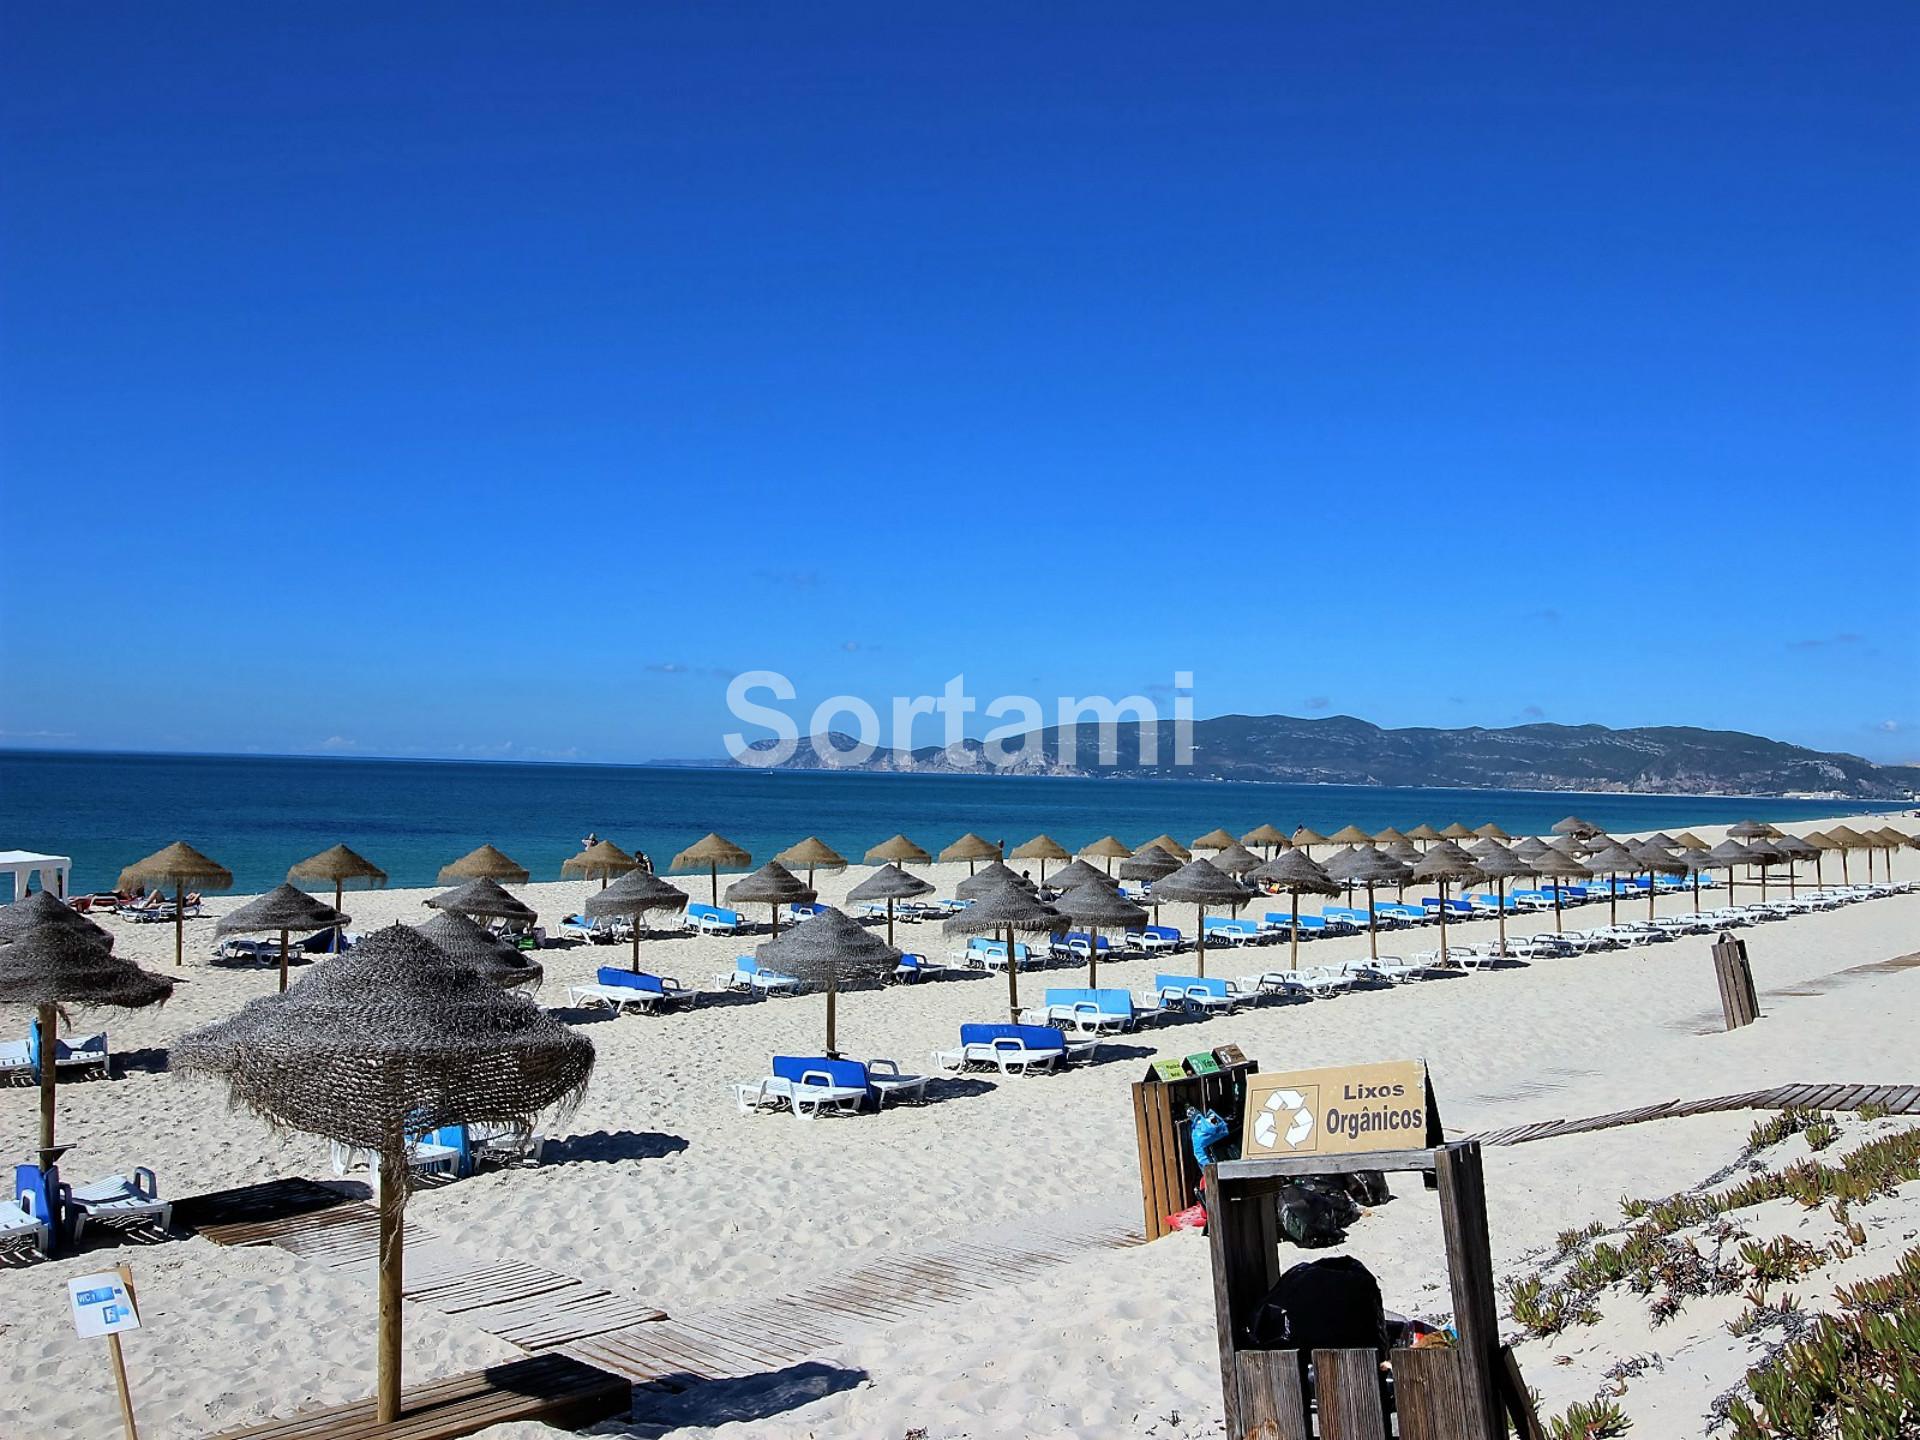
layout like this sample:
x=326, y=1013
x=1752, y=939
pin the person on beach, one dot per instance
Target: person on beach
x=591, y=841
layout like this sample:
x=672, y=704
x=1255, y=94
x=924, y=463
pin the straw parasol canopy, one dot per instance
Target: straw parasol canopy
x=1457, y=832
x=1265, y=837
x=1216, y=839
x=1365, y=865
x=1077, y=873
x=393, y=1039
x=772, y=885
x=1690, y=841
x=1350, y=835
x=1424, y=833
x=283, y=908
x=341, y=867
x=1693, y=861
x=833, y=951
x=985, y=882
x=898, y=851
x=1499, y=864
x=1108, y=848
x=1610, y=860
x=1008, y=911
x=712, y=853
x=1491, y=831
x=970, y=848
x=1095, y=905
x=481, y=949
x=52, y=964
x=815, y=854
x=1388, y=836
x=635, y=894
x=1149, y=864
x=1236, y=859
x=1445, y=863
x=1532, y=847
x=1172, y=846
x=1293, y=872
x=41, y=908
x=1042, y=848
x=1573, y=825
x=1731, y=853
x=600, y=861
x=1554, y=864
x=1655, y=860
x=179, y=868
x=484, y=897
x=1200, y=883
x=485, y=863
x=889, y=883
x=1305, y=839
x=1663, y=840
x=1749, y=830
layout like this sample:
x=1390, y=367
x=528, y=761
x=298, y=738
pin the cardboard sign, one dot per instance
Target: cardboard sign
x=1169, y=1070
x=1336, y=1112
x=1229, y=1055
x=101, y=1305
x=1203, y=1064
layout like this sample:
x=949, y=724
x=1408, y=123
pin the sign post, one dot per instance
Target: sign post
x=103, y=1304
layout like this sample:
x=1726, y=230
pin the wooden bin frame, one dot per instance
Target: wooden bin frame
x=1443, y=1393
x=1169, y=1175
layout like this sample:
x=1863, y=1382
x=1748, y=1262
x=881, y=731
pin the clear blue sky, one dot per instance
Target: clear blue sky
x=474, y=379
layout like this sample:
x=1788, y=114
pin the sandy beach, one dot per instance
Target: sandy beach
x=657, y=1189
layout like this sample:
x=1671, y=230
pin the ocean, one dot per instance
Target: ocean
x=259, y=815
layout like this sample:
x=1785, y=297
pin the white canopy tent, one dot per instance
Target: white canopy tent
x=22, y=863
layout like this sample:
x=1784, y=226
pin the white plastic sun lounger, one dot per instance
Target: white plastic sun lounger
x=421, y=1155
x=806, y=1097
x=17, y=1224
x=118, y=1198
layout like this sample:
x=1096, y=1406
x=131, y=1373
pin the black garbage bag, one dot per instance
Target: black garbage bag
x=1368, y=1187
x=1330, y=1304
x=1315, y=1212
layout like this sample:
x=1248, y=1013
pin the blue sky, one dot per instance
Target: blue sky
x=474, y=379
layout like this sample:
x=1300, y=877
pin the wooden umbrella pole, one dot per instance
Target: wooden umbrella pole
x=636, y=944
x=1093, y=957
x=1557, y=925
x=1373, y=930
x=832, y=995
x=1500, y=898
x=283, y=961
x=1200, y=918
x=1293, y=934
x=889, y=920
x=1696, y=892
x=713, y=877
x=179, y=923
x=1443, y=924
x=1729, y=884
x=1613, y=897
x=393, y=1179
x=49, y=1017
x=1013, y=979
x=773, y=914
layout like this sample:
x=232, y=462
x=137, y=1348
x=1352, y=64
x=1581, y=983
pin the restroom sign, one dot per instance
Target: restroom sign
x=102, y=1305
x=1337, y=1111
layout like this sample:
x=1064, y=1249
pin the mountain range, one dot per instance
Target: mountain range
x=1342, y=750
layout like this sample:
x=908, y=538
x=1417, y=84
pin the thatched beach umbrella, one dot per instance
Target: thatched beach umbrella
x=41, y=908
x=1293, y=872
x=1425, y=834
x=339, y=866
x=815, y=854
x=484, y=897
x=833, y=951
x=1576, y=827
x=485, y=863
x=1107, y=849
x=1491, y=831
x=1236, y=859
x=1555, y=865
x=283, y=908
x=1748, y=830
x=1663, y=840
x=1444, y=863
x=635, y=895
x=1265, y=837
x=1820, y=846
x=1846, y=839
x=1200, y=884
x=1078, y=872
x=1457, y=833
x=1768, y=855
x=1612, y=860
x=1656, y=861
x=1690, y=841
x=1350, y=835
x=1499, y=864
x=1305, y=839
x=484, y=951
x=985, y=882
x=772, y=885
x=1148, y=864
x=970, y=848
x=712, y=853
x=1042, y=848
x=1364, y=865
x=1008, y=911
x=1216, y=839
x=180, y=868
x=1694, y=861
x=1172, y=846
x=1094, y=906
x=1796, y=850
x=898, y=851
x=600, y=861
x=393, y=1039
x=889, y=883
x=1408, y=854
x=1731, y=853
x=47, y=966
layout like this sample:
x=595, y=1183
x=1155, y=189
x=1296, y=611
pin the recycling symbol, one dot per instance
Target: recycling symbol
x=1288, y=1107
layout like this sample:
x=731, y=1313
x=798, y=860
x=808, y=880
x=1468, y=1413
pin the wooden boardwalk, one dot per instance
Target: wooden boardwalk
x=754, y=1337
x=1896, y=1099
x=551, y=1388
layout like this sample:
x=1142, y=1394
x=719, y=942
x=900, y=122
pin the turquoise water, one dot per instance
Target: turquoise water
x=257, y=815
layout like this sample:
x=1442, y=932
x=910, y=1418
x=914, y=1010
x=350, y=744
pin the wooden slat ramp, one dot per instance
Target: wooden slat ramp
x=555, y=1389
x=1895, y=1099
x=752, y=1337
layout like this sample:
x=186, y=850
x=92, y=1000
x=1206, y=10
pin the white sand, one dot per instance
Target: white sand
x=661, y=1190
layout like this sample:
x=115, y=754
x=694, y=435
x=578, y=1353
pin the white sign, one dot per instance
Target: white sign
x=101, y=1305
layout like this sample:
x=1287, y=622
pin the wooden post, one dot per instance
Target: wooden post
x=393, y=1181
x=179, y=923
x=1093, y=957
x=1463, y=1217
x=1731, y=969
x=1293, y=934
x=1013, y=979
x=1500, y=899
x=1200, y=918
x=49, y=1039
x=283, y=961
x=889, y=920
x=1373, y=926
x=1443, y=922
x=713, y=882
x=1346, y=1385
x=120, y=1362
x=636, y=944
x=831, y=995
